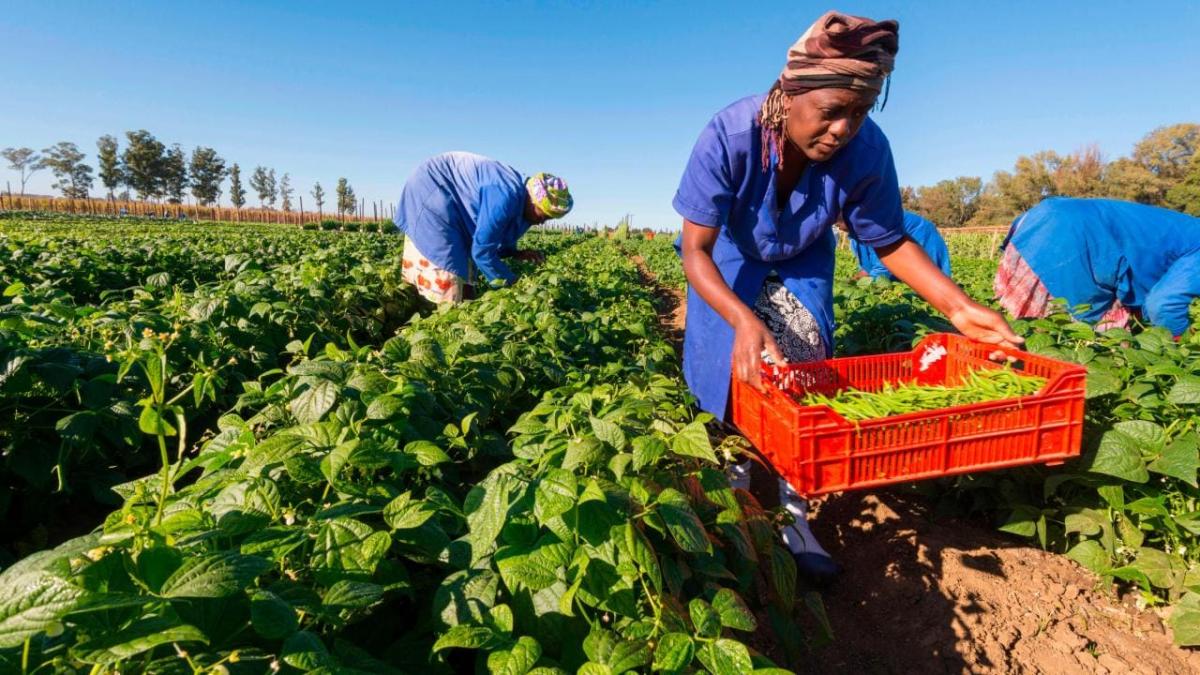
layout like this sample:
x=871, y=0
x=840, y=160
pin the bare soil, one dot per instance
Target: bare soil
x=921, y=594
x=926, y=594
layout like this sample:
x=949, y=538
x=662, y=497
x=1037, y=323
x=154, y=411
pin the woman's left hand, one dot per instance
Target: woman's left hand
x=985, y=325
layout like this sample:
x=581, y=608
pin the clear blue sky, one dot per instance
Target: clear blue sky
x=609, y=95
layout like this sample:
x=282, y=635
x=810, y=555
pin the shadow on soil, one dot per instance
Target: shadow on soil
x=887, y=611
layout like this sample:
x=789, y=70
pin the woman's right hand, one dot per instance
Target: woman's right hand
x=751, y=338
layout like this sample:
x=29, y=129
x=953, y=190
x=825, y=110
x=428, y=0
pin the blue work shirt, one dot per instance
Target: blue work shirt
x=921, y=231
x=458, y=207
x=1093, y=251
x=724, y=186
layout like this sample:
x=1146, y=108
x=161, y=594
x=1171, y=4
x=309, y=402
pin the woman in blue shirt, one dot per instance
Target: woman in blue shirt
x=767, y=180
x=1109, y=260
x=460, y=211
x=920, y=231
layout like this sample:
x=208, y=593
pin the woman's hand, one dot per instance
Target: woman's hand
x=911, y=265
x=987, y=326
x=751, y=337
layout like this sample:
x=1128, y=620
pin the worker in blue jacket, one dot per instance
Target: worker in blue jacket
x=1119, y=259
x=916, y=228
x=462, y=213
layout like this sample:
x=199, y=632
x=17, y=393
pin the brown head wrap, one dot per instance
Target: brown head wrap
x=838, y=51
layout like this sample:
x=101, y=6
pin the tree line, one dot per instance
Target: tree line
x=1162, y=170
x=147, y=167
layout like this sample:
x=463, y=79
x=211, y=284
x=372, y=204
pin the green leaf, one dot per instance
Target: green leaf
x=647, y=450
x=352, y=594
x=426, y=453
x=464, y=636
x=517, y=660
x=347, y=548
x=555, y=494
x=404, y=513
x=682, y=522
x=142, y=636
x=1156, y=565
x=1022, y=521
x=674, y=652
x=733, y=610
x=1120, y=455
x=628, y=656
x=725, y=657
x=705, y=619
x=609, y=433
x=150, y=422
x=643, y=554
x=305, y=651
x=593, y=668
x=783, y=575
x=581, y=451
x=312, y=403
x=1186, y=391
x=486, y=521
x=1185, y=620
x=1091, y=555
x=1101, y=381
x=214, y=575
x=271, y=617
x=1181, y=459
x=693, y=441
x=31, y=602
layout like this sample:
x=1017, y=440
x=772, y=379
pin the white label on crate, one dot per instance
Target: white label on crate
x=932, y=355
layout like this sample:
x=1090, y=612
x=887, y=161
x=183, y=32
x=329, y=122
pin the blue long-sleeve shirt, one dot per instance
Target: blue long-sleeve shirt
x=921, y=231
x=1094, y=251
x=458, y=207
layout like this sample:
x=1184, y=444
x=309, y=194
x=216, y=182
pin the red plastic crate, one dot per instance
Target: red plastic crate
x=819, y=451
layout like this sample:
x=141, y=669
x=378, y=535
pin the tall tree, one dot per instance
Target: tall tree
x=318, y=194
x=1185, y=195
x=1130, y=180
x=23, y=160
x=237, y=194
x=175, y=174
x=285, y=192
x=208, y=170
x=258, y=183
x=72, y=176
x=345, y=197
x=1166, y=151
x=145, y=164
x=949, y=203
x=109, y=169
x=272, y=189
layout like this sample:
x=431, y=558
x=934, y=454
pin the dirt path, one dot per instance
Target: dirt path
x=672, y=305
x=937, y=595
x=921, y=594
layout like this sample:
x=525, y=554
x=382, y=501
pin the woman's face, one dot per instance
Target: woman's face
x=822, y=121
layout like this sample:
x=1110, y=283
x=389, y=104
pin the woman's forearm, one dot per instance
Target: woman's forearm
x=706, y=279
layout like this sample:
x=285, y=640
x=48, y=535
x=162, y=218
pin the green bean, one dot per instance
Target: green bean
x=896, y=399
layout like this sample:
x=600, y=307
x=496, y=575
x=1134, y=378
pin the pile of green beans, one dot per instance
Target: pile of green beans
x=978, y=387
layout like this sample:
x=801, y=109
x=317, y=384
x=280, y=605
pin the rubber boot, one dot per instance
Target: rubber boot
x=813, y=563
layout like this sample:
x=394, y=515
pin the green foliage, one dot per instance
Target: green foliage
x=144, y=163
x=522, y=476
x=109, y=164
x=72, y=177
x=237, y=193
x=207, y=170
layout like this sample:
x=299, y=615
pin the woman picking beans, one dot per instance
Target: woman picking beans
x=767, y=181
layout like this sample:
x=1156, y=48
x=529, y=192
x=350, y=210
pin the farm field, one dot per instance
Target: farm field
x=253, y=448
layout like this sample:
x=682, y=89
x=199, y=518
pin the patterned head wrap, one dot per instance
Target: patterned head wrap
x=844, y=52
x=838, y=51
x=549, y=194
